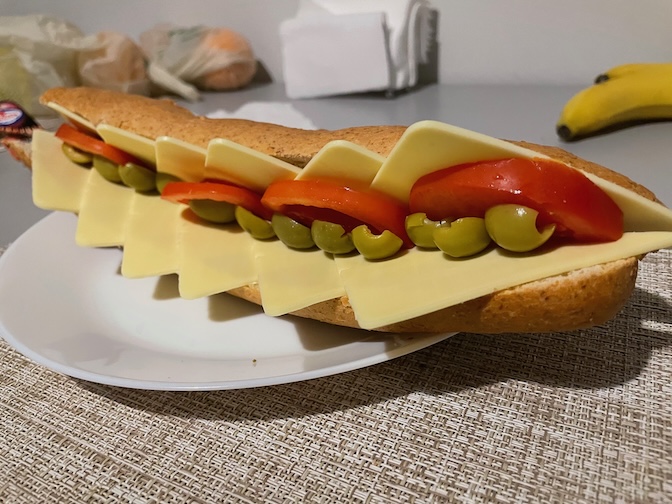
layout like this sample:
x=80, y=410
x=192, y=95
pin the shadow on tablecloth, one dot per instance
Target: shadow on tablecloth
x=606, y=356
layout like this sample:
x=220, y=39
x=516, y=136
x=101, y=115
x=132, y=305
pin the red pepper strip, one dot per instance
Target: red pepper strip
x=309, y=200
x=184, y=192
x=87, y=143
x=562, y=195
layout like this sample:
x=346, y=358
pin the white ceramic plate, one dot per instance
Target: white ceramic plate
x=69, y=309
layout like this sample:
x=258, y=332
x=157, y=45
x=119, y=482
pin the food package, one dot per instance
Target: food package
x=116, y=62
x=38, y=52
x=184, y=60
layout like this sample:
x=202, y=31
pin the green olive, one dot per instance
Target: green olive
x=420, y=229
x=76, y=155
x=464, y=237
x=162, y=179
x=331, y=237
x=514, y=228
x=138, y=177
x=292, y=233
x=219, y=212
x=108, y=169
x=373, y=246
x=259, y=228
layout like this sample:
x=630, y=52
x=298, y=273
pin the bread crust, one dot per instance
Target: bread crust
x=19, y=148
x=575, y=300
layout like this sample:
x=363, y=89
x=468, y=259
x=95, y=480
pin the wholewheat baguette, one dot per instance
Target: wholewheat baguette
x=574, y=300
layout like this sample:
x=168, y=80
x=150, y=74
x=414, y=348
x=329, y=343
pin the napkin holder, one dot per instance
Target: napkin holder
x=371, y=49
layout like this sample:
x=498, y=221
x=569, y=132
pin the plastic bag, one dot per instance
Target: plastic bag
x=37, y=53
x=184, y=60
x=116, y=63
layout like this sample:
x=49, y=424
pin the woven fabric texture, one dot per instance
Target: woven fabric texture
x=581, y=417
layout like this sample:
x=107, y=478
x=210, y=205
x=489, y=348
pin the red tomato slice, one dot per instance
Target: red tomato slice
x=87, y=143
x=184, y=192
x=309, y=200
x=561, y=195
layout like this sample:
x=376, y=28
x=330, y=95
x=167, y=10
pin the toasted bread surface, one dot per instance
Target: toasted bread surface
x=578, y=299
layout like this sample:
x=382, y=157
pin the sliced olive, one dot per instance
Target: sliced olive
x=375, y=246
x=138, y=177
x=76, y=155
x=164, y=178
x=464, y=237
x=219, y=212
x=108, y=169
x=292, y=233
x=259, y=228
x=514, y=228
x=420, y=229
x=331, y=237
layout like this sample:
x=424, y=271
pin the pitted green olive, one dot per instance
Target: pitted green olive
x=138, y=177
x=219, y=212
x=373, y=246
x=292, y=233
x=331, y=237
x=162, y=179
x=108, y=169
x=420, y=229
x=76, y=155
x=514, y=228
x=259, y=228
x=464, y=237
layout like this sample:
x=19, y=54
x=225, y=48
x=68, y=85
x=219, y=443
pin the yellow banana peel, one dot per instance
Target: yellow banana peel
x=626, y=94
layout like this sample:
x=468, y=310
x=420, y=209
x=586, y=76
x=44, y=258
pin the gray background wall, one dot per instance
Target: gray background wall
x=564, y=42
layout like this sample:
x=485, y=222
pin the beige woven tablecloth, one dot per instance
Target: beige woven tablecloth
x=575, y=417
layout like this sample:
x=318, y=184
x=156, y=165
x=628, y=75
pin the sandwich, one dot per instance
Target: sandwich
x=420, y=228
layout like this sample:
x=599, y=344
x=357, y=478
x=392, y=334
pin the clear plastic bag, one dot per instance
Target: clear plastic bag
x=184, y=60
x=36, y=53
x=116, y=63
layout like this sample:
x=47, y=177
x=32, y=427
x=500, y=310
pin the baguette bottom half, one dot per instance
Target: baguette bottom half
x=575, y=300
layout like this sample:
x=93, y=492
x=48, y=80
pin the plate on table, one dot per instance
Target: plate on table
x=68, y=308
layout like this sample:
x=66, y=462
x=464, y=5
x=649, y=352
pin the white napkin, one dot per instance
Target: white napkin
x=342, y=46
x=271, y=112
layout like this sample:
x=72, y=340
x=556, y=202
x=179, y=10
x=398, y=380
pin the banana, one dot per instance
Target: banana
x=628, y=69
x=626, y=94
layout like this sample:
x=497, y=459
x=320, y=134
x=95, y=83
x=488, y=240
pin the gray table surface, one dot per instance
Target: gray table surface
x=523, y=112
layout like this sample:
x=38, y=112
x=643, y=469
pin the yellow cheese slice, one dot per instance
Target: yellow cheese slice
x=291, y=279
x=420, y=281
x=342, y=160
x=57, y=182
x=139, y=146
x=75, y=119
x=427, y=146
x=152, y=241
x=213, y=258
x=241, y=165
x=180, y=159
x=288, y=279
x=639, y=213
x=103, y=212
x=164, y=237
